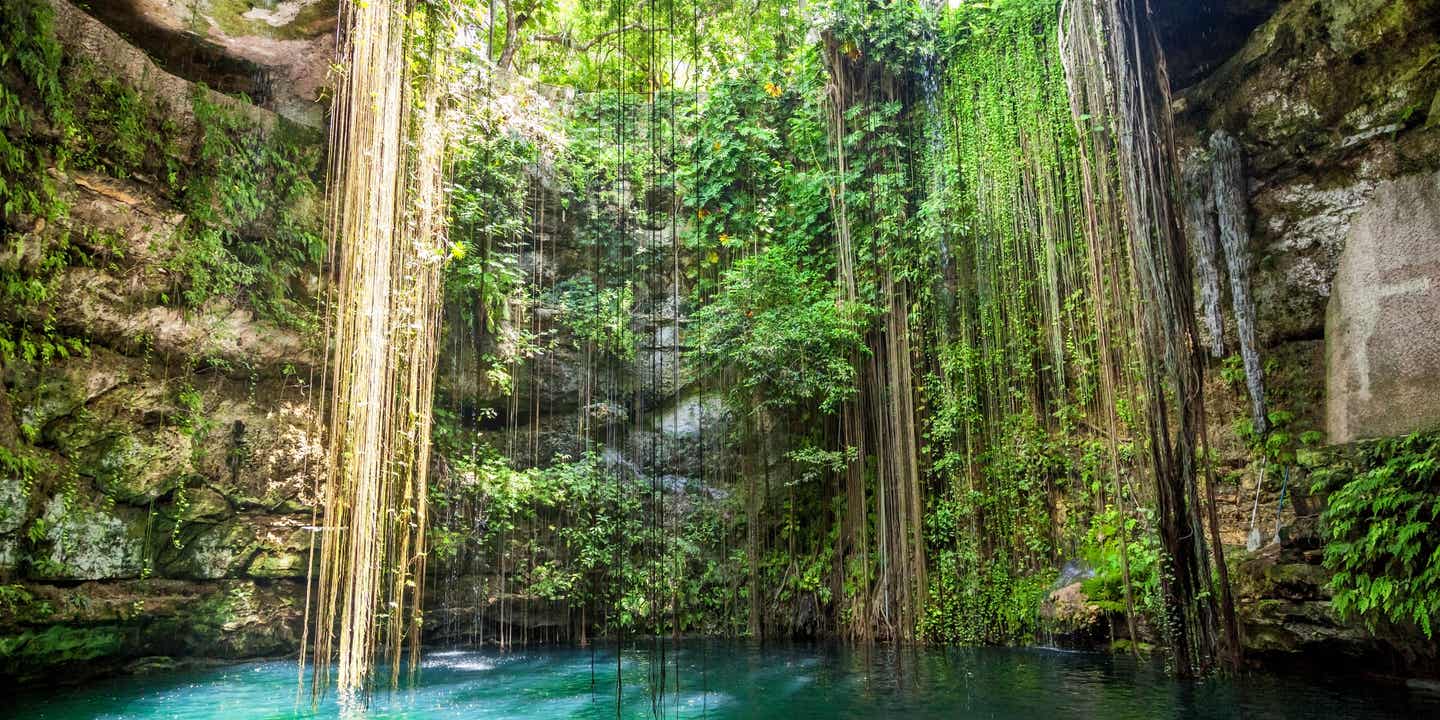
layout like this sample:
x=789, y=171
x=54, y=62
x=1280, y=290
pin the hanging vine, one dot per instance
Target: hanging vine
x=385, y=227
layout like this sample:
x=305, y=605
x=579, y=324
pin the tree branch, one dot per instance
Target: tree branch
x=567, y=41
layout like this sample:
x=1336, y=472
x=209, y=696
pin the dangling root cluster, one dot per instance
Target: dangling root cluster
x=386, y=230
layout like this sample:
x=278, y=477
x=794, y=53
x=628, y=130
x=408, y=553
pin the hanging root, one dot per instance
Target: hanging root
x=387, y=247
x=1234, y=221
x=1116, y=71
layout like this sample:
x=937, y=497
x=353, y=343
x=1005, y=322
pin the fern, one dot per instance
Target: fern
x=1383, y=525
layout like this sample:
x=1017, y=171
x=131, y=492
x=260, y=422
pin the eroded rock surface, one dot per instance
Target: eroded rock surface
x=277, y=52
x=157, y=475
x=1382, y=331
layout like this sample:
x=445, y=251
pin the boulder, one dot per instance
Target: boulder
x=1071, y=619
x=1382, y=330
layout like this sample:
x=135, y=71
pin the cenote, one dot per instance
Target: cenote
x=723, y=680
x=908, y=358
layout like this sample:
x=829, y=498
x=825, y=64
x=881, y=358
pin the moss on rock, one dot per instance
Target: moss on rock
x=32, y=653
x=86, y=540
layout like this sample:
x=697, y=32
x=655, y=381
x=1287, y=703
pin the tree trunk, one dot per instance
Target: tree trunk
x=513, y=20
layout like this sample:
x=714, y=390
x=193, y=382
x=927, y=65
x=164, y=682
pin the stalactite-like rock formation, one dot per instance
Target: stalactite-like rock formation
x=385, y=228
x=1204, y=237
x=1234, y=223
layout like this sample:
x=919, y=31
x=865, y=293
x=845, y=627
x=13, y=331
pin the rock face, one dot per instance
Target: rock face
x=1198, y=35
x=1382, y=330
x=1287, y=619
x=276, y=52
x=66, y=634
x=1329, y=100
x=1333, y=104
x=1336, y=106
x=155, y=477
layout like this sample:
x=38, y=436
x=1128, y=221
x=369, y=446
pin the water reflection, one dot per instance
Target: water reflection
x=721, y=680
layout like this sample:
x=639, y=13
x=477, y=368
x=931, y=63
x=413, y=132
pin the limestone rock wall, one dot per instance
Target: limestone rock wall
x=1336, y=104
x=1382, y=332
x=277, y=53
x=156, y=480
x=1328, y=99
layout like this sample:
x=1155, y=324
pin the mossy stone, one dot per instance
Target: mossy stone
x=137, y=468
x=25, y=652
x=14, y=500
x=89, y=542
x=210, y=552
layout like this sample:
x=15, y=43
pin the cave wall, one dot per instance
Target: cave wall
x=1336, y=106
x=275, y=53
x=158, y=477
x=142, y=538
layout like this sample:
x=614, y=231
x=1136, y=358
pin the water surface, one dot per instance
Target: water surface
x=717, y=680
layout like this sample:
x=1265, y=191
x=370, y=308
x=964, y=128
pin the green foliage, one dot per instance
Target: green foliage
x=1281, y=444
x=30, y=273
x=31, y=75
x=1102, y=551
x=250, y=227
x=87, y=119
x=759, y=168
x=105, y=126
x=993, y=533
x=1232, y=371
x=13, y=597
x=899, y=35
x=795, y=572
x=598, y=317
x=991, y=604
x=127, y=134
x=191, y=417
x=664, y=45
x=17, y=463
x=817, y=463
x=29, y=56
x=1005, y=306
x=1383, y=526
x=781, y=329
x=980, y=21
x=488, y=199
x=577, y=533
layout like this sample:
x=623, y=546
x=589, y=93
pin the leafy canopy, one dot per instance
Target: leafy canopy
x=780, y=326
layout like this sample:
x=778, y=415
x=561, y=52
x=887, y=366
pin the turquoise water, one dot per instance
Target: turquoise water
x=714, y=680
